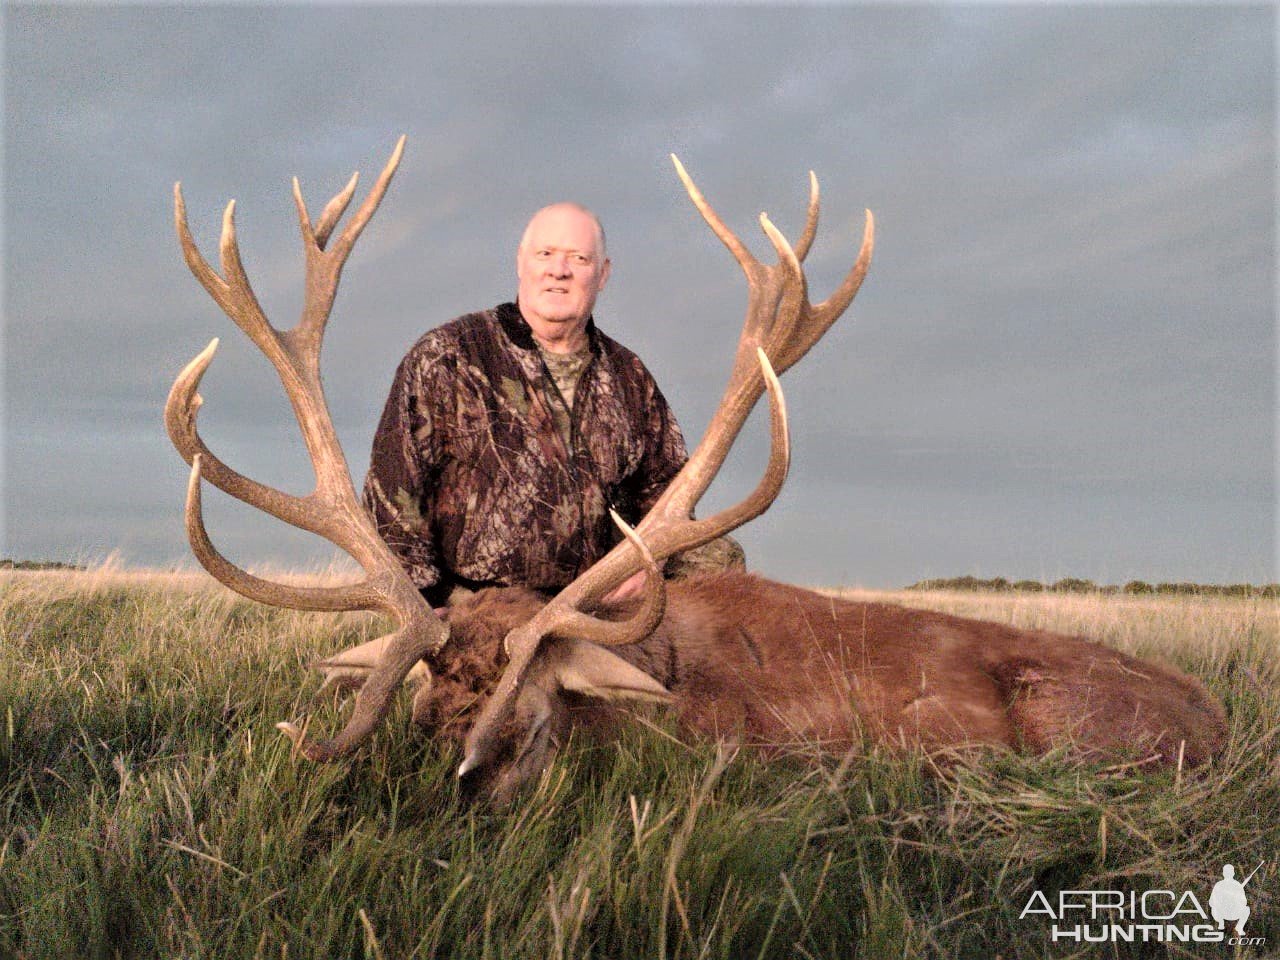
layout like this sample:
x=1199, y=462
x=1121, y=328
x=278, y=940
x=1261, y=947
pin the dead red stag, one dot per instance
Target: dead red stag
x=734, y=655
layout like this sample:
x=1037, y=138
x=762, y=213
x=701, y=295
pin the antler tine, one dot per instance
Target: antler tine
x=830, y=309
x=750, y=265
x=810, y=220
x=765, y=286
x=792, y=295
x=688, y=533
x=191, y=253
x=248, y=314
x=355, y=596
x=333, y=211
x=180, y=420
x=361, y=218
x=785, y=331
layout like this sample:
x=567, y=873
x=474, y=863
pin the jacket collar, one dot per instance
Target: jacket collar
x=517, y=329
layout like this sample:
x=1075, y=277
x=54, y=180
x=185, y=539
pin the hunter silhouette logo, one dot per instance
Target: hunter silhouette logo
x=1148, y=916
x=1228, y=900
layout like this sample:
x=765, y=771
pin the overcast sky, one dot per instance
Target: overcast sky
x=1062, y=362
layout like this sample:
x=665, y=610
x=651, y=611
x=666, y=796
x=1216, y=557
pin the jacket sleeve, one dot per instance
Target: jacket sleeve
x=404, y=464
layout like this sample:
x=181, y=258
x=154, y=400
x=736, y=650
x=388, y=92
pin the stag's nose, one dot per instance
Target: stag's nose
x=470, y=785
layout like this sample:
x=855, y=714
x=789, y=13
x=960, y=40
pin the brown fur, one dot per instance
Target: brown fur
x=774, y=664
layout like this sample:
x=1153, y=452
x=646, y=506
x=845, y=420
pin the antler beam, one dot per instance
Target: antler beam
x=332, y=510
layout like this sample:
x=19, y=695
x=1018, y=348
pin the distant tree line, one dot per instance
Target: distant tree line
x=1077, y=585
x=38, y=565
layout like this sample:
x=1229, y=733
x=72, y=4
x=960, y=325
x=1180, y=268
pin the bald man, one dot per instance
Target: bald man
x=510, y=433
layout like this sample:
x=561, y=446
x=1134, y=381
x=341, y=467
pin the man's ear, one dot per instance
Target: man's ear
x=593, y=671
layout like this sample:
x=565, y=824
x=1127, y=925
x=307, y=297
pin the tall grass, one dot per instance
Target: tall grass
x=149, y=809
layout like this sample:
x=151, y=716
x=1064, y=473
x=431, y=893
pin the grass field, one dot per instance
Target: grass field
x=149, y=809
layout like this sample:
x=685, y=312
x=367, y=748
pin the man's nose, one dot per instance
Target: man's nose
x=558, y=265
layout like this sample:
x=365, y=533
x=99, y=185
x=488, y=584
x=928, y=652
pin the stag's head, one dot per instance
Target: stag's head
x=547, y=657
x=563, y=688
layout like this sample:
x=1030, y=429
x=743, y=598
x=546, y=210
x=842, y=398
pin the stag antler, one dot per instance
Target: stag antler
x=780, y=327
x=332, y=510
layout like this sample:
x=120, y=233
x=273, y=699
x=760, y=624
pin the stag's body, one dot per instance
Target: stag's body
x=776, y=665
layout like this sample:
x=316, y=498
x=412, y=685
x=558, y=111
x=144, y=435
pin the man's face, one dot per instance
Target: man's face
x=560, y=269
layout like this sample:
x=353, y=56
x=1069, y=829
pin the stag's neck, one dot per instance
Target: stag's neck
x=704, y=629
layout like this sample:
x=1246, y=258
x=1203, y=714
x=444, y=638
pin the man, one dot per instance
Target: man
x=509, y=433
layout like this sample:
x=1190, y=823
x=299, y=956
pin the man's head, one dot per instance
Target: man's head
x=562, y=265
x=1228, y=872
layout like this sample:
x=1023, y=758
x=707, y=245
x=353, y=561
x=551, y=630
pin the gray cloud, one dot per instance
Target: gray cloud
x=1062, y=363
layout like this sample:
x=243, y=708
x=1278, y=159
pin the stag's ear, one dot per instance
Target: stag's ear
x=584, y=667
x=352, y=666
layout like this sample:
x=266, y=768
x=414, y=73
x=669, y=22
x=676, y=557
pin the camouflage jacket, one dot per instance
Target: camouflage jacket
x=470, y=482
